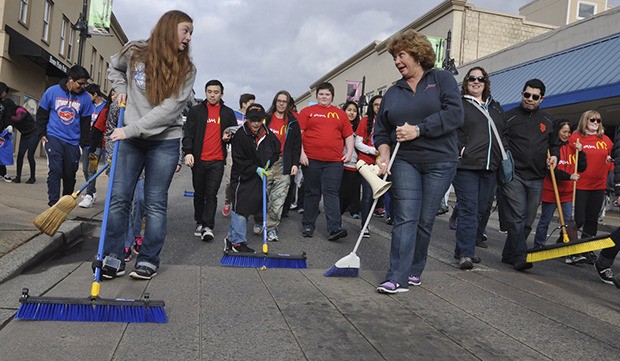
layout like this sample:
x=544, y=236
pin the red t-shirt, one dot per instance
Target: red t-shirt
x=361, y=131
x=278, y=128
x=596, y=149
x=567, y=164
x=212, y=142
x=324, y=130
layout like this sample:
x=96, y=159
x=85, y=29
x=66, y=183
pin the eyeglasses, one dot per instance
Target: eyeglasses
x=595, y=120
x=281, y=101
x=474, y=78
x=82, y=85
x=527, y=95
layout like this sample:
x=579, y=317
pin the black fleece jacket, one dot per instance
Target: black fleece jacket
x=292, y=143
x=196, y=124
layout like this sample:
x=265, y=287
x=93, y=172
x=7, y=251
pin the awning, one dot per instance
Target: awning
x=21, y=45
x=587, y=72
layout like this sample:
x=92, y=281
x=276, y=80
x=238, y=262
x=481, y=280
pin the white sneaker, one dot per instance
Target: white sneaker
x=198, y=230
x=94, y=197
x=87, y=202
x=207, y=234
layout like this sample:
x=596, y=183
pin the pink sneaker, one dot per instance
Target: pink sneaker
x=226, y=209
x=137, y=245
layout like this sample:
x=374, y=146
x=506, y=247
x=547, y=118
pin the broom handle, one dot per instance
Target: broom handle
x=557, y=201
x=265, y=247
x=106, y=209
x=374, y=203
x=575, y=182
x=105, y=166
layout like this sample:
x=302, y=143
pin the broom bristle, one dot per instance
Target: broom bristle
x=46, y=310
x=334, y=271
x=50, y=220
x=248, y=260
x=567, y=249
x=259, y=260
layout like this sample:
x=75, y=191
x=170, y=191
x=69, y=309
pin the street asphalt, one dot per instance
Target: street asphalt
x=552, y=312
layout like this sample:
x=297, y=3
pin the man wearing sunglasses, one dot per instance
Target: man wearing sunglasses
x=528, y=134
x=63, y=121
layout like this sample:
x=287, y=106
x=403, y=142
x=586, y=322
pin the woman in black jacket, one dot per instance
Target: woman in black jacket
x=479, y=159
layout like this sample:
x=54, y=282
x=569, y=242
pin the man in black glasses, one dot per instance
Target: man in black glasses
x=63, y=121
x=528, y=134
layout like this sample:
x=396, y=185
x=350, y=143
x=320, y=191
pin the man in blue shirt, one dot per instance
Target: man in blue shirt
x=63, y=121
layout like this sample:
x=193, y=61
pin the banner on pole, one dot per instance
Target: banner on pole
x=354, y=90
x=439, y=47
x=99, y=17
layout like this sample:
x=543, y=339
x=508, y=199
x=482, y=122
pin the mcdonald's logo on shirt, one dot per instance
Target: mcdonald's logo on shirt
x=332, y=115
x=601, y=145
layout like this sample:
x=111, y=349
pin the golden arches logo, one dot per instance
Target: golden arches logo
x=333, y=115
x=601, y=145
x=572, y=159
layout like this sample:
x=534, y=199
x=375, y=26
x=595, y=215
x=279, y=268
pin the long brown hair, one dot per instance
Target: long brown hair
x=165, y=66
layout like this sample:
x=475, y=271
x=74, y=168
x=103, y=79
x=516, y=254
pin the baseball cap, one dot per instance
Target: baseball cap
x=3, y=87
x=255, y=114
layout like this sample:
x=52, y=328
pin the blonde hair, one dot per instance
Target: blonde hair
x=585, y=118
x=414, y=43
x=165, y=66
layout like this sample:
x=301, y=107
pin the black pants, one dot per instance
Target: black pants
x=27, y=143
x=350, y=192
x=206, y=179
x=587, y=207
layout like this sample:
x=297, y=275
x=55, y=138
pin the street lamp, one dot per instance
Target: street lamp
x=82, y=27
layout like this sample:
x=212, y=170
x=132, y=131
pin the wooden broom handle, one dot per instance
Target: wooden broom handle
x=575, y=182
x=558, y=203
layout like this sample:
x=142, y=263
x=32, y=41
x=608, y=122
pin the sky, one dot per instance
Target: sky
x=263, y=46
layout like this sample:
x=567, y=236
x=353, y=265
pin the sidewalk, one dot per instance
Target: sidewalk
x=220, y=313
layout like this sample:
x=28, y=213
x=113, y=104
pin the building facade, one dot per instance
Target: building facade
x=475, y=33
x=39, y=43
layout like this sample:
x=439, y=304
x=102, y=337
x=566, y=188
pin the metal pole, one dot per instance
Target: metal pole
x=82, y=27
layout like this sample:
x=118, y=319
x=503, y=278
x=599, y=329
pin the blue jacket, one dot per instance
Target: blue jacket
x=436, y=108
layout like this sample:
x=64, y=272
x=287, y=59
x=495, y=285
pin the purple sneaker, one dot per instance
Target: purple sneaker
x=391, y=287
x=414, y=280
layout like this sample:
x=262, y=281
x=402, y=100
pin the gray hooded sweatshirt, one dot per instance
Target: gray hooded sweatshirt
x=143, y=119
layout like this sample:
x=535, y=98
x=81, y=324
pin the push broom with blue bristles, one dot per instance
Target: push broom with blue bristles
x=264, y=259
x=349, y=265
x=94, y=308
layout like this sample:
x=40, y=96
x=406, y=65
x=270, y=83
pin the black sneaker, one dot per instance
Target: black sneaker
x=480, y=243
x=337, y=234
x=307, y=233
x=109, y=274
x=242, y=248
x=227, y=245
x=605, y=274
x=142, y=272
x=522, y=265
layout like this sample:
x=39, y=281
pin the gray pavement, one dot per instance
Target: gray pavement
x=219, y=313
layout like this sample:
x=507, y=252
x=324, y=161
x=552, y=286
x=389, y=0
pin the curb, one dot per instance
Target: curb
x=41, y=248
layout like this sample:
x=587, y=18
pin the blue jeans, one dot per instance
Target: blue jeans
x=546, y=213
x=134, y=227
x=322, y=178
x=520, y=199
x=238, y=228
x=159, y=159
x=92, y=186
x=417, y=191
x=473, y=191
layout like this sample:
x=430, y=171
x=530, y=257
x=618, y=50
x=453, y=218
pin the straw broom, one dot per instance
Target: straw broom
x=50, y=220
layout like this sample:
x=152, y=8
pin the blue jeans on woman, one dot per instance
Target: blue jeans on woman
x=417, y=191
x=474, y=189
x=159, y=159
x=546, y=213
